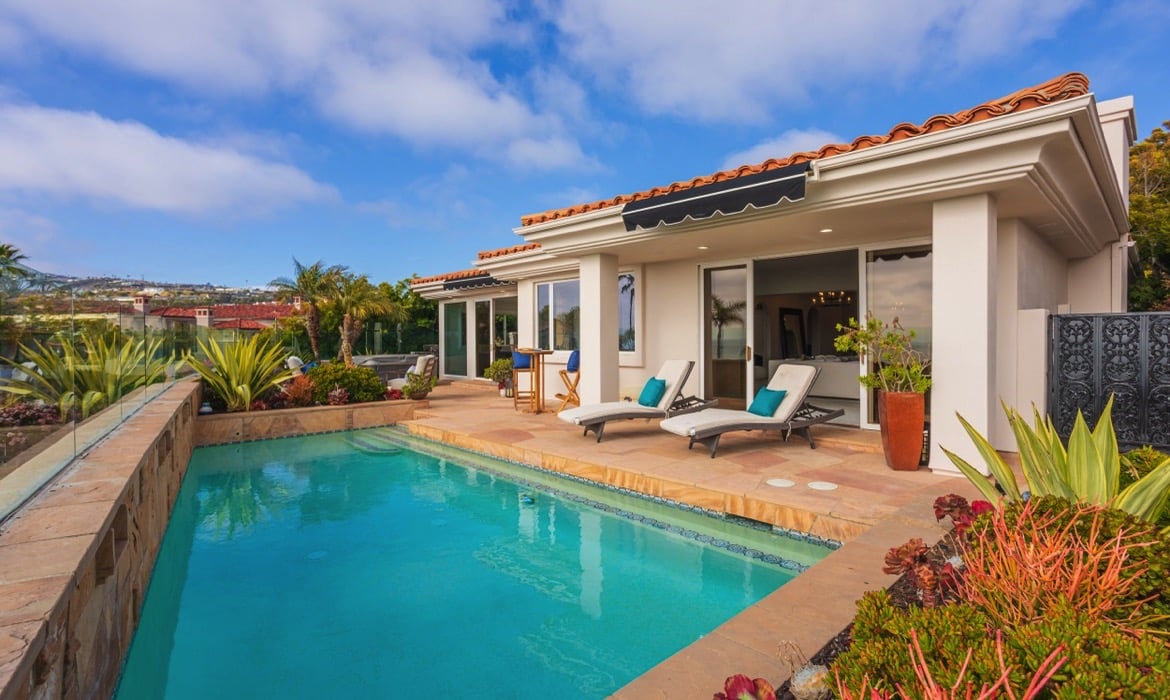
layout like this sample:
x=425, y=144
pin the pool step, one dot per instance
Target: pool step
x=375, y=441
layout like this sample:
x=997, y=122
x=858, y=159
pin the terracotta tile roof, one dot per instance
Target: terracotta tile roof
x=500, y=252
x=239, y=324
x=266, y=310
x=458, y=275
x=1058, y=89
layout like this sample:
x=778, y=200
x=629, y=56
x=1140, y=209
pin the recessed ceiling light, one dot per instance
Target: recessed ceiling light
x=704, y=247
x=826, y=230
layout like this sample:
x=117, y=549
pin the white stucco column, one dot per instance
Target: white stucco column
x=599, y=329
x=963, y=347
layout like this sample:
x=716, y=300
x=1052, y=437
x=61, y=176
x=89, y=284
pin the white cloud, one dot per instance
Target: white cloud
x=84, y=155
x=413, y=69
x=423, y=99
x=548, y=154
x=784, y=145
x=740, y=60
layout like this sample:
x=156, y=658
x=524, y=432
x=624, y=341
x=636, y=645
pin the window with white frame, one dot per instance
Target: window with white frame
x=558, y=315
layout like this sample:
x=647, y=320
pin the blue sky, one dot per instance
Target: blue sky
x=214, y=140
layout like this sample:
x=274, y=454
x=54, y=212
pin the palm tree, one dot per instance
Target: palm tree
x=356, y=300
x=10, y=261
x=314, y=284
x=723, y=313
x=626, y=284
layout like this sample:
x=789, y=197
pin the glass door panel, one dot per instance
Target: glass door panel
x=898, y=285
x=728, y=355
x=505, y=326
x=483, y=336
x=455, y=338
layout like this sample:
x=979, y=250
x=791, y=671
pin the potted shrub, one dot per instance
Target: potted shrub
x=899, y=374
x=500, y=372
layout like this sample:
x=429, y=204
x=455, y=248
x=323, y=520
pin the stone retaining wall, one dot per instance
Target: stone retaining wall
x=221, y=428
x=75, y=561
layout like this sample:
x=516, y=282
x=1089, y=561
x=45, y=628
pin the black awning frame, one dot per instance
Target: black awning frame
x=484, y=280
x=728, y=197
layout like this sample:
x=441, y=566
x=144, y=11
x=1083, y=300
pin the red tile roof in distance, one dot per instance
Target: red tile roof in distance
x=266, y=311
x=243, y=324
x=1058, y=89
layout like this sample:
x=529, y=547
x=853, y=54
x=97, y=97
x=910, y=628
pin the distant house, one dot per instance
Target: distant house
x=226, y=320
x=970, y=227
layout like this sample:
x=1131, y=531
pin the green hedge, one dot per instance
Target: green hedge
x=361, y=383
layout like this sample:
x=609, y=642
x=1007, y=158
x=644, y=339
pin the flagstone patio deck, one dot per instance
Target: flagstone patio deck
x=871, y=510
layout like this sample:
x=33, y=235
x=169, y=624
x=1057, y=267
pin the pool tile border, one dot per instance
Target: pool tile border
x=750, y=552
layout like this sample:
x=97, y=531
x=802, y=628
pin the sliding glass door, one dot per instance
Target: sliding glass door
x=727, y=357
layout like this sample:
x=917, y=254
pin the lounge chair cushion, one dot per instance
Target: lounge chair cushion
x=766, y=402
x=796, y=380
x=652, y=392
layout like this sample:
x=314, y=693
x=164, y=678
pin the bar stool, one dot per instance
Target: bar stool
x=571, y=376
x=522, y=365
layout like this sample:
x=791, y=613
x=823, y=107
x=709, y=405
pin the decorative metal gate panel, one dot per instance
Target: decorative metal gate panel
x=1091, y=356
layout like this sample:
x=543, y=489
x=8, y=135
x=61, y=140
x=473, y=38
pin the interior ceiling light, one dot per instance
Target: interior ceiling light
x=826, y=230
x=704, y=247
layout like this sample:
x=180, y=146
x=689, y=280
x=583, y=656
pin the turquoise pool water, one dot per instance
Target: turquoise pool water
x=348, y=565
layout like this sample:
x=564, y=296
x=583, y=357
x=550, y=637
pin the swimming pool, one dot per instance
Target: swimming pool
x=367, y=564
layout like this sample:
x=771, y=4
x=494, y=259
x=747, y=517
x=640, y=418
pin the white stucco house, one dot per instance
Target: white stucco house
x=970, y=227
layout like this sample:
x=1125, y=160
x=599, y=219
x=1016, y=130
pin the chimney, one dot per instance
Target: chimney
x=203, y=318
x=297, y=303
x=142, y=304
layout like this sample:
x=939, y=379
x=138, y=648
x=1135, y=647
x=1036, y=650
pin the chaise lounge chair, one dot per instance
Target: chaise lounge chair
x=792, y=414
x=673, y=372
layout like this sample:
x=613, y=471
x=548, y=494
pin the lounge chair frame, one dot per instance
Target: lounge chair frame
x=679, y=406
x=805, y=417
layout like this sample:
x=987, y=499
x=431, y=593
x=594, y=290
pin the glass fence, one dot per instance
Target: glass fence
x=71, y=371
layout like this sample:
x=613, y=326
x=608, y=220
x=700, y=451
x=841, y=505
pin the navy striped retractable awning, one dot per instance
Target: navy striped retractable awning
x=759, y=190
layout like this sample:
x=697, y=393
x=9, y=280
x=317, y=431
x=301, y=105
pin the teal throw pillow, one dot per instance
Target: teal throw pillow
x=652, y=392
x=766, y=402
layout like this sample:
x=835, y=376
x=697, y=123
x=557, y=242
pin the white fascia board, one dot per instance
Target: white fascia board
x=580, y=232
x=525, y=266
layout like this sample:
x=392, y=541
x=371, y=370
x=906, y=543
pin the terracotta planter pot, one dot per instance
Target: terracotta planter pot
x=902, y=416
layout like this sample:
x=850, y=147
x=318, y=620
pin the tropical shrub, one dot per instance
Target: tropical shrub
x=242, y=371
x=86, y=376
x=28, y=413
x=1087, y=470
x=362, y=384
x=298, y=393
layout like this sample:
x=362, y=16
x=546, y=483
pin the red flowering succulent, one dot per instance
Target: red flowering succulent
x=740, y=687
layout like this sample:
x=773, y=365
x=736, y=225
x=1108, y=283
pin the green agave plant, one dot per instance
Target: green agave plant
x=1087, y=470
x=86, y=377
x=241, y=371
